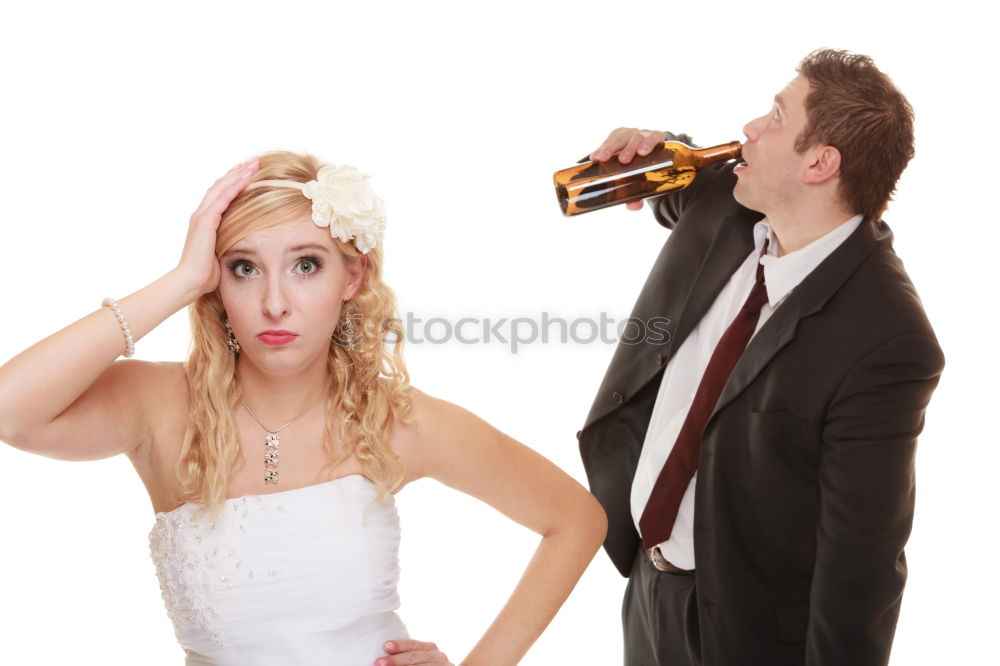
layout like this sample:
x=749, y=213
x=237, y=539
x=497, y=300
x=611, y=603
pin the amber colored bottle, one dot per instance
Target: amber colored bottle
x=593, y=185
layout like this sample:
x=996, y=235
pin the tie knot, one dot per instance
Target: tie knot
x=760, y=263
x=758, y=295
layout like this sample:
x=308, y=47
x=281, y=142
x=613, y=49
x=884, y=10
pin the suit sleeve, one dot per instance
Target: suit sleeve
x=667, y=208
x=866, y=486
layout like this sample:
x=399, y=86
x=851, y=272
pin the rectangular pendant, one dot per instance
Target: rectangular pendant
x=271, y=458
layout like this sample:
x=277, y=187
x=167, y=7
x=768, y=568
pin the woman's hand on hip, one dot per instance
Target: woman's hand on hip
x=407, y=652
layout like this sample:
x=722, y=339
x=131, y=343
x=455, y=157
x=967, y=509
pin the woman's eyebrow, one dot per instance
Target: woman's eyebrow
x=297, y=248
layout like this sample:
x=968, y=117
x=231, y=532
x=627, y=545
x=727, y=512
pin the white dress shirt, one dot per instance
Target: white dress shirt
x=684, y=371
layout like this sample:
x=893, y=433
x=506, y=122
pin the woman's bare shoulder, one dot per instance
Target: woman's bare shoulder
x=425, y=411
x=145, y=390
x=171, y=371
x=160, y=383
x=161, y=387
x=406, y=430
x=424, y=428
x=152, y=374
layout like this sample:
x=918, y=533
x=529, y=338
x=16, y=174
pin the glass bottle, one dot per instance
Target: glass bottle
x=673, y=165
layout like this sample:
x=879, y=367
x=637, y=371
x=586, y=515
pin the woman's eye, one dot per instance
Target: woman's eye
x=306, y=266
x=242, y=269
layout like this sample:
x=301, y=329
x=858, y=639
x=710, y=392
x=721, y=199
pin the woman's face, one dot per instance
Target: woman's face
x=282, y=288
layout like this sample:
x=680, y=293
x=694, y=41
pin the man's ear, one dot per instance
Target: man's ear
x=824, y=166
x=356, y=275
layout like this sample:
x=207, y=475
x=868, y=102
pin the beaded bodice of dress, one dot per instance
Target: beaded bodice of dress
x=303, y=576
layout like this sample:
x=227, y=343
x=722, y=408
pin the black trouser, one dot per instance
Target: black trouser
x=660, y=617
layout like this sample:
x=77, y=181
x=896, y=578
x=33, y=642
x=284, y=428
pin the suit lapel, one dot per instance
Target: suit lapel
x=809, y=297
x=675, y=276
x=729, y=249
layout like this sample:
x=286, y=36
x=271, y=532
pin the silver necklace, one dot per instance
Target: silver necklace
x=272, y=441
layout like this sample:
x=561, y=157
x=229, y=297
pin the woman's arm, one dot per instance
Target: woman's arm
x=66, y=396
x=459, y=449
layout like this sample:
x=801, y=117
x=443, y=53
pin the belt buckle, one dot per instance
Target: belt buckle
x=656, y=557
x=661, y=564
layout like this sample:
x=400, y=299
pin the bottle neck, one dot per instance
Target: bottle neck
x=721, y=153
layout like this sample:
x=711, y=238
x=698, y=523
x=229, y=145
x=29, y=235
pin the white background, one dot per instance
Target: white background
x=117, y=116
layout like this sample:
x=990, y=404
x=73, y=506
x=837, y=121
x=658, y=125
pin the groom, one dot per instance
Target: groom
x=757, y=467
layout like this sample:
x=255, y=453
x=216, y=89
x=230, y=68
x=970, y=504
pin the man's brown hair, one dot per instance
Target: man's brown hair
x=855, y=108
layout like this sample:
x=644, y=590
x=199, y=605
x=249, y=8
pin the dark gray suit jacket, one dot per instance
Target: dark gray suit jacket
x=805, y=489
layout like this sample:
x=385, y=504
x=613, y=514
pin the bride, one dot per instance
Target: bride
x=272, y=455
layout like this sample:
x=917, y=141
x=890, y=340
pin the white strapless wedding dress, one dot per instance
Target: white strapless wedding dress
x=299, y=577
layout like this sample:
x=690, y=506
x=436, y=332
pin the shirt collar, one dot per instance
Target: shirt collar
x=784, y=273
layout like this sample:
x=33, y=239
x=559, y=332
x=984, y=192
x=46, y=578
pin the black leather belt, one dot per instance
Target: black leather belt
x=661, y=563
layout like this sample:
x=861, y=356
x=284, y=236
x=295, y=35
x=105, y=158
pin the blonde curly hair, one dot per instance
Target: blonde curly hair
x=368, y=383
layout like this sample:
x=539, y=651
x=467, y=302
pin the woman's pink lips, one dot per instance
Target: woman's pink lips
x=276, y=338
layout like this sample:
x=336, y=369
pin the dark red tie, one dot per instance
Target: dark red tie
x=658, y=517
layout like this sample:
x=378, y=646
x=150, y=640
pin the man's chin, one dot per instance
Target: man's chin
x=746, y=200
x=743, y=198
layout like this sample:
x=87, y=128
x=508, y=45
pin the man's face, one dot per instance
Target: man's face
x=770, y=179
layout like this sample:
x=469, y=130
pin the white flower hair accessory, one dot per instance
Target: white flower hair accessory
x=342, y=200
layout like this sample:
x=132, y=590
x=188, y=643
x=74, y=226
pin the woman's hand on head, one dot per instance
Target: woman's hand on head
x=406, y=652
x=198, y=261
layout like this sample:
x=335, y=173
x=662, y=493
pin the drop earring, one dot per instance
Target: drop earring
x=349, y=333
x=345, y=336
x=234, y=344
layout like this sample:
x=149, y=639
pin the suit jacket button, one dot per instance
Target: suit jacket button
x=618, y=397
x=659, y=359
x=578, y=434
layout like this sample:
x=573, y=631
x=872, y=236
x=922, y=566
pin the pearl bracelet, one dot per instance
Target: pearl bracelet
x=129, y=343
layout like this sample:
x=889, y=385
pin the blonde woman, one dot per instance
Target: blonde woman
x=272, y=456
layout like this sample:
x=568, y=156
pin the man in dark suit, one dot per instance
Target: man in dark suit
x=780, y=540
